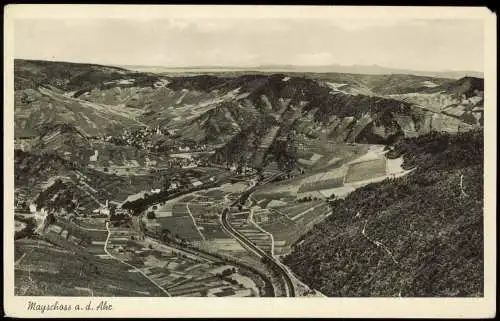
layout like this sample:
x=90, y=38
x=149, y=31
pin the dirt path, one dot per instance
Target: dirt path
x=378, y=244
x=194, y=221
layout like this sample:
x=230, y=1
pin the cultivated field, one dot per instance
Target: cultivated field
x=180, y=225
x=78, y=273
x=197, y=214
x=181, y=273
x=239, y=220
x=322, y=184
x=287, y=224
x=316, y=154
x=366, y=170
x=293, y=210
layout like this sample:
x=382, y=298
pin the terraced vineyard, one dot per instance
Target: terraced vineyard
x=240, y=221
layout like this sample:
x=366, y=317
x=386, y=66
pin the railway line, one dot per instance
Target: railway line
x=269, y=259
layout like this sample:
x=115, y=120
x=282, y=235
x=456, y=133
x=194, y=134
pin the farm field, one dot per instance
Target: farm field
x=180, y=209
x=222, y=245
x=288, y=223
x=366, y=170
x=319, y=154
x=328, y=172
x=181, y=225
x=207, y=218
x=295, y=209
x=264, y=197
x=309, y=159
x=198, y=212
x=239, y=220
x=234, y=187
x=41, y=262
x=184, y=274
x=322, y=184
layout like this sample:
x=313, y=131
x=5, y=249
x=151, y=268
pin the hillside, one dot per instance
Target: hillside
x=78, y=272
x=48, y=93
x=30, y=74
x=419, y=235
x=36, y=109
x=244, y=114
x=102, y=100
x=89, y=136
x=467, y=86
x=30, y=167
x=312, y=109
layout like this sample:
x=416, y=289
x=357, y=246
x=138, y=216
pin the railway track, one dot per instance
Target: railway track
x=290, y=289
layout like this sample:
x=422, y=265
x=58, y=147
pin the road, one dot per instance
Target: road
x=252, y=247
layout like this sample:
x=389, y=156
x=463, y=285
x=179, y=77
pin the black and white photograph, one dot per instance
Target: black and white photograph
x=251, y=156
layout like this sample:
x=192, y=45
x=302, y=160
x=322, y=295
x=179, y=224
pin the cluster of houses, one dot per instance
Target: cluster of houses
x=241, y=169
x=188, y=163
x=143, y=138
x=176, y=183
x=115, y=214
x=192, y=148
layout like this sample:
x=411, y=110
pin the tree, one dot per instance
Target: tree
x=151, y=215
x=166, y=182
x=227, y=272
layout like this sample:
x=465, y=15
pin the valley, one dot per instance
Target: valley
x=134, y=183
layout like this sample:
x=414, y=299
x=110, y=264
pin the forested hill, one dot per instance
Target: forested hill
x=420, y=235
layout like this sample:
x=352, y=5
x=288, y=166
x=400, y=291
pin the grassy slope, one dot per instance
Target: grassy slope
x=433, y=231
x=58, y=269
x=63, y=75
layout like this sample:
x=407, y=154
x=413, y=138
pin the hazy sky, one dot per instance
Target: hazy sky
x=429, y=45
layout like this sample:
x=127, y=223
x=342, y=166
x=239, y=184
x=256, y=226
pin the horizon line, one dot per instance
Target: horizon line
x=261, y=66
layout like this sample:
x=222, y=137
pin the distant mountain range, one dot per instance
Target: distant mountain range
x=349, y=69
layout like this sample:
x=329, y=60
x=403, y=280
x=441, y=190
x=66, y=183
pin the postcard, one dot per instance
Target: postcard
x=249, y=161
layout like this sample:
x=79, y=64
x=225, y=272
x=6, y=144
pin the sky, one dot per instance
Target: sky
x=427, y=45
